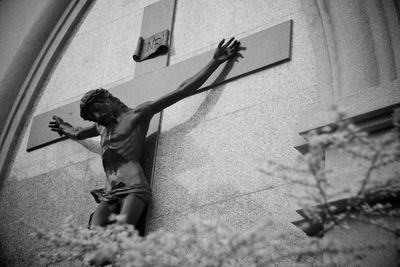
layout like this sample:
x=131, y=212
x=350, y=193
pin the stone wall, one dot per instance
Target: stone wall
x=24, y=28
x=47, y=185
x=211, y=144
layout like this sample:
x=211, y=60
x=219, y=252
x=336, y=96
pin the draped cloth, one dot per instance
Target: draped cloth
x=119, y=190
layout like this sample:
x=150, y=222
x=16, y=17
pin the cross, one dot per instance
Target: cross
x=154, y=78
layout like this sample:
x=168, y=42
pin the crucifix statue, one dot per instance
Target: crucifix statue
x=123, y=131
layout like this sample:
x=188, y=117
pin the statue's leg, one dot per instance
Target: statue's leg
x=132, y=207
x=103, y=212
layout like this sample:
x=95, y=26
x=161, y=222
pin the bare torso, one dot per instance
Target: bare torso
x=123, y=138
x=122, y=146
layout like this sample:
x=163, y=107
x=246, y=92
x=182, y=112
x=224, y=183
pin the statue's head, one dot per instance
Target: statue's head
x=99, y=105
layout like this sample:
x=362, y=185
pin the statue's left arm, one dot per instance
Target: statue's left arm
x=75, y=133
x=223, y=53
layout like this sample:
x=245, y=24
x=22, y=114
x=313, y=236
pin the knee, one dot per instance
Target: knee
x=101, y=215
x=132, y=202
x=132, y=208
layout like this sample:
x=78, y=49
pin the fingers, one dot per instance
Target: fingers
x=234, y=48
x=55, y=128
x=229, y=42
x=237, y=56
x=240, y=48
x=221, y=43
x=57, y=131
x=58, y=119
x=228, y=50
x=55, y=125
x=235, y=44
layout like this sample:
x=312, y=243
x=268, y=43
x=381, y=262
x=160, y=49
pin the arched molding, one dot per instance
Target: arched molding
x=392, y=13
x=357, y=52
x=34, y=80
x=324, y=47
x=355, y=44
x=382, y=42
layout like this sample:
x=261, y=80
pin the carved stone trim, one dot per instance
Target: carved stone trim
x=383, y=46
x=35, y=79
x=370, y=110
x=383, y=196
x=324, y=47
x=356, y=44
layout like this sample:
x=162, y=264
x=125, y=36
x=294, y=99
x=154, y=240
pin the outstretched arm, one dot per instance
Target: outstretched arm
x=222, y=54
x=76, y=133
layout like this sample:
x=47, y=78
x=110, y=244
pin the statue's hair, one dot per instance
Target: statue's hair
x=95, y=95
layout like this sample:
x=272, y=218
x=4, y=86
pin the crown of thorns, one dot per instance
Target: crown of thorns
x=90, y=97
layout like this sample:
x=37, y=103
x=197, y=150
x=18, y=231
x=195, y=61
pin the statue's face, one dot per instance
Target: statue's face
x=101, y=111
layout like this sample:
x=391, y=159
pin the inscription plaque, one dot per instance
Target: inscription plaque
x=153, y=46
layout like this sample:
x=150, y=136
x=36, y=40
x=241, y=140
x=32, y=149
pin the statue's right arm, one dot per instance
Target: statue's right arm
x=75, y=133
x=224, y=52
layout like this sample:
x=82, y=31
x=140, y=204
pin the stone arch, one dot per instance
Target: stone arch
x=356, y=44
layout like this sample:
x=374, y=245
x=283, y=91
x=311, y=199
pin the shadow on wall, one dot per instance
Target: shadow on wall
x=177, y=136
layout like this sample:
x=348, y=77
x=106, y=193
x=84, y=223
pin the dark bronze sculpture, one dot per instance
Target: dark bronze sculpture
x=123, y=131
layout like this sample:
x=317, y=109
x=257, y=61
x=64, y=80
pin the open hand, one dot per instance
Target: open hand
x=226, y=51
x=62, y=127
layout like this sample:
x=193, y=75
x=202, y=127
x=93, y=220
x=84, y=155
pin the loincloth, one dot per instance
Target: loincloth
x=120, y=190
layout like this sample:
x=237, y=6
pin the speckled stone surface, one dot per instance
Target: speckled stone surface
x=241, y=212
x=100, y=54
x=47, y=185
x=364, y=234
x=203, y=23
x=212, y=144
x=249, y=209
x=350, y=172
x=79, y=70
x=42, y=202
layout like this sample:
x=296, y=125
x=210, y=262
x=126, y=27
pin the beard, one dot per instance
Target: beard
x=107, y=119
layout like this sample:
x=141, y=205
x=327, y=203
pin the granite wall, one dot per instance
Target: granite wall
x=211, y=145
x=24, y=29
x=45, y=186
